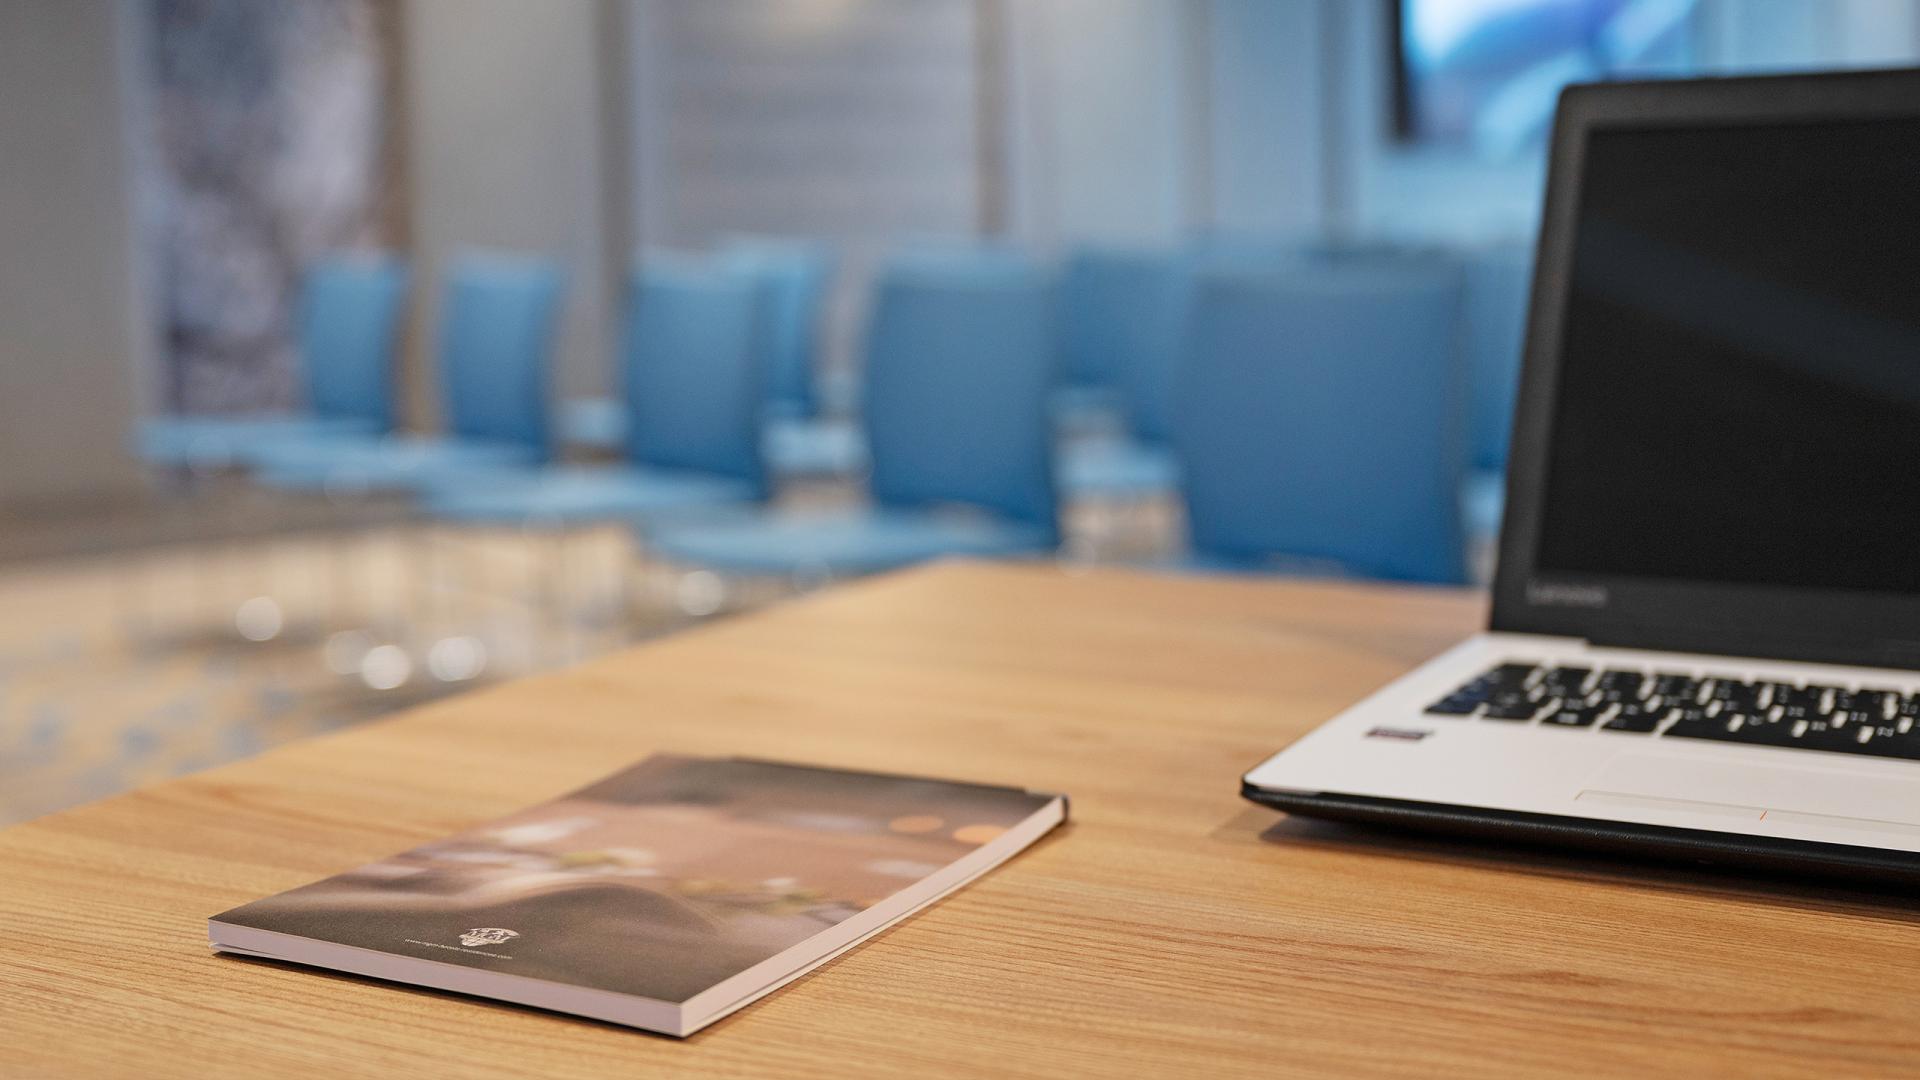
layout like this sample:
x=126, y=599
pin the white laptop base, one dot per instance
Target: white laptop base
x=1386, y=759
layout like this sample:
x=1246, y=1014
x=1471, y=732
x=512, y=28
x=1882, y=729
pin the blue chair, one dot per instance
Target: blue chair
x=495, y=349
x=346, y=329
x=801, y=440
x=596, y=424
x=1498, y=280
x=958, y=361
x=1317, y=426
x=828, y=442
x=1093, y=341
x=693, y=368
x=1127, y=309
x=796, y=277
x=1146, y=300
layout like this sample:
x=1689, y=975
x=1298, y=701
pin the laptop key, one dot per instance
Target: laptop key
x=1854, y=737
x=1727, y=726
x=1807, y=697
x=1698, y=727
x=1635, y=717
x=1505, y=685
x=1572, y=716
x=1820, y=735
x=1885, y=740
x=1510, y=674
x=1825, y=698
x=1855, y=718
x=1763, y=730
x=1735, y=696
x=1774, y=693
x=1676, y=687
x=1617, y=685
x=1568, y=681
x=1861, y=739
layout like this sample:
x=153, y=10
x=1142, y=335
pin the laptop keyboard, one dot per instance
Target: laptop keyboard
x=1813, y=716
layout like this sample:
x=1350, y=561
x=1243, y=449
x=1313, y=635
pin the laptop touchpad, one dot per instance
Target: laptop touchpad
x=1777, y=788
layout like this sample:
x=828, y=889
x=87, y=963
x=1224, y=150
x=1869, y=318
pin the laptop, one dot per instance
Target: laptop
x=1704, y=640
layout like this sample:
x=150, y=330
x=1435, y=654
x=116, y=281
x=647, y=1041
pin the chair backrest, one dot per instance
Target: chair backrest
x=694, y=368
x=1152, y=297
x=1161, y=306
x=959, y=362
x=1118, y=326
x=796, y=277
x=496, y=348
x=1498, y=284
x=1318, y=419
x=349, y=330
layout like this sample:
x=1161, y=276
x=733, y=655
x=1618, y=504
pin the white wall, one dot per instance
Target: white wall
x=852, y=121
x=1742, y=35
x=1134, y=121
x=1118, y=121
x=70, y=337
x=1100, y=107
x=1264, y=79
x=502, y=111
x=845, y=119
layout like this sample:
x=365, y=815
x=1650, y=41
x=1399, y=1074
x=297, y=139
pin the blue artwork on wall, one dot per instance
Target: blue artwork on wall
x=1483, y=75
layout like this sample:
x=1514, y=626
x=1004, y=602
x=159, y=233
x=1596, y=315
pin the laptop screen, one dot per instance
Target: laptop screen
x=1738, y=395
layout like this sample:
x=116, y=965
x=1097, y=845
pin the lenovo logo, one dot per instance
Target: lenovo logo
x=1547, y=594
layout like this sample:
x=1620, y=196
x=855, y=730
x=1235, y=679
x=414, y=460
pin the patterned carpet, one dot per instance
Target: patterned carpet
x=116, y=671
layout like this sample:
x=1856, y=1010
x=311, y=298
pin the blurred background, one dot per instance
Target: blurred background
x=355, y=352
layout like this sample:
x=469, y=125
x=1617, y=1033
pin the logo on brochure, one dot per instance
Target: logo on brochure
x=487, y=935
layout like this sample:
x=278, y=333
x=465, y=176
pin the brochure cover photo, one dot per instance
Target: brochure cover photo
x=662, y=882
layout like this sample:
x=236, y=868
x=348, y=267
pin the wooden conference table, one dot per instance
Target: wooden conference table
x=1171, y=929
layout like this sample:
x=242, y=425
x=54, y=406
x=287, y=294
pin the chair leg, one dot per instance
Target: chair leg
x=545, y=618
x=629, y=564
x=165, y=612
x=453, y=654
x=136, y=598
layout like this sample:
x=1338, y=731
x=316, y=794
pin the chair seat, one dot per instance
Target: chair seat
x=786, y=409
x=593, y=423
x=584, y=494
x=815, y=448
x=842, y=545
x=226, y=441
x=403, y=464
x=1118, y=469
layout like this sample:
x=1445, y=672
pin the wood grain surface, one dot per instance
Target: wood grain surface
x=1171, y=929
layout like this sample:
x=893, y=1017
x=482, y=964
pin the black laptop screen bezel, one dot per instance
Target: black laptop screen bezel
x=1880, y=629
